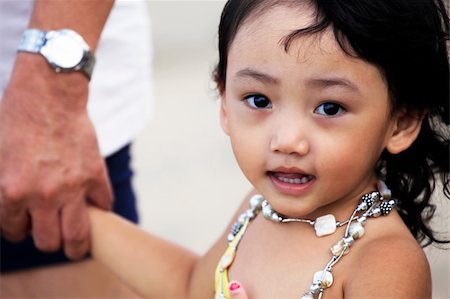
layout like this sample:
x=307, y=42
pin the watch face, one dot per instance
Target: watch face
x=63, y=51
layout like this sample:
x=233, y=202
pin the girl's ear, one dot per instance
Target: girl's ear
x=406, y=128
x=223, y=114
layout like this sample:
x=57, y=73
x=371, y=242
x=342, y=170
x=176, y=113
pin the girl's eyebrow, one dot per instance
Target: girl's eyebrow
x=331, y=81
x=257, y=75
x=317, y=82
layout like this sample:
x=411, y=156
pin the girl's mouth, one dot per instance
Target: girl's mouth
x=292, y=183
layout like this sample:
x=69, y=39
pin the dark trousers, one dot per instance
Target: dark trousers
x=24, y=255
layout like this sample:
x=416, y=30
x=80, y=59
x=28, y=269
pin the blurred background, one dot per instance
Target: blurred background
x=187, y=180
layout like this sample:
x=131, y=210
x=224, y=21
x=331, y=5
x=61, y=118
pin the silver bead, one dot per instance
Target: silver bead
x=392, y=202
x=314, y=288
x=242, y=218
x=362, y=219
x=267, y=211
x=250, y=214
x=275, y=217
x=323, y=278
x=376, y=212
x=362, y=206
x=356, y=230
x=256, y=202
x=307, y=296
x=375, y=195
x=348, y=240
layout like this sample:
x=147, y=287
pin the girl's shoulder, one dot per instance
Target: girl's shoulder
x=389, y=264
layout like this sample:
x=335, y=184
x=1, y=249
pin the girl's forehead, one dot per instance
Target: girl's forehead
x=266, y=33
x=286, y=18
x=275, y=23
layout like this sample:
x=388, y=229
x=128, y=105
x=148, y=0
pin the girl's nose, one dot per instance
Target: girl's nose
x=290, y=137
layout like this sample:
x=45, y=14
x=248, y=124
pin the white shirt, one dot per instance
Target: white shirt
x=120, y=89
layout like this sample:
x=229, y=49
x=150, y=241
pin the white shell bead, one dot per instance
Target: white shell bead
x=227, y=259
x=230, y=237
x=356, y=230
x=325, y=225
x=327, y=280
x=337, y=248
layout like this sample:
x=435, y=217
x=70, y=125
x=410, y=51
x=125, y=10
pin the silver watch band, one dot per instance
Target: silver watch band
x=34, y=41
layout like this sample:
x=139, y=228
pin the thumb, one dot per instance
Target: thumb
x=237, y=290
x=100, y=192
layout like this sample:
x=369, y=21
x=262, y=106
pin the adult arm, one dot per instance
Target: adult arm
x=49, y=157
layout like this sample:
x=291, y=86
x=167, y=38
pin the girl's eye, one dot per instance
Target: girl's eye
x=330, y=109
x=258, y=102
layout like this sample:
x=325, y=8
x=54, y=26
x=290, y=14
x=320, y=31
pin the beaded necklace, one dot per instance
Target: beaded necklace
x=373, y=204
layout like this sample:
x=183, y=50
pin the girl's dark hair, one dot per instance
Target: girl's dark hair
x=407, y=40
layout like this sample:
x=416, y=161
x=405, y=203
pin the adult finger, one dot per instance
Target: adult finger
x=46, y=228
x=14, y=223
x=100, y=191
x=75, y=229
x=237, y=290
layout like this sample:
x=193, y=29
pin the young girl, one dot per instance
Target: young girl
x=322, y=100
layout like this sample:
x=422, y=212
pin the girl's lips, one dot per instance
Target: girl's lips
x=292, y=183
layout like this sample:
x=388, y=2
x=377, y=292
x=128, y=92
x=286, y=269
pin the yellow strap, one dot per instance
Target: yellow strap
x=221, y=277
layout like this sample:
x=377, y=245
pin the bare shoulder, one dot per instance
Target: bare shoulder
x=389, y=266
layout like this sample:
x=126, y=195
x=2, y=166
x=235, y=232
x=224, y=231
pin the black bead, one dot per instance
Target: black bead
x=369, y=199
x=385, y=208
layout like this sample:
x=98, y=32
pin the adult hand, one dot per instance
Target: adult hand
x=49, y=159
x=237, y=290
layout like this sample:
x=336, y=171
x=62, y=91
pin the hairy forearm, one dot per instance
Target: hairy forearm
x=153, y=267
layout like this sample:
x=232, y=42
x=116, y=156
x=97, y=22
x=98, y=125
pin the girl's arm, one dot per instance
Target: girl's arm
x=151, y=266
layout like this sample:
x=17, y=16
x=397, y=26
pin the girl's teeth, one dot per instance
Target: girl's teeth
x=302, y=180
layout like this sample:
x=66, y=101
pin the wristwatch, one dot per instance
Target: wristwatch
x=65, y=50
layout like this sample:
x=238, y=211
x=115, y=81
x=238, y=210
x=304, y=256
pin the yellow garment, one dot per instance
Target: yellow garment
x=221, y=276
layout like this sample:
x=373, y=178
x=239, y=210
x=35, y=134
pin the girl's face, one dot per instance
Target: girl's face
x=307, y=126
